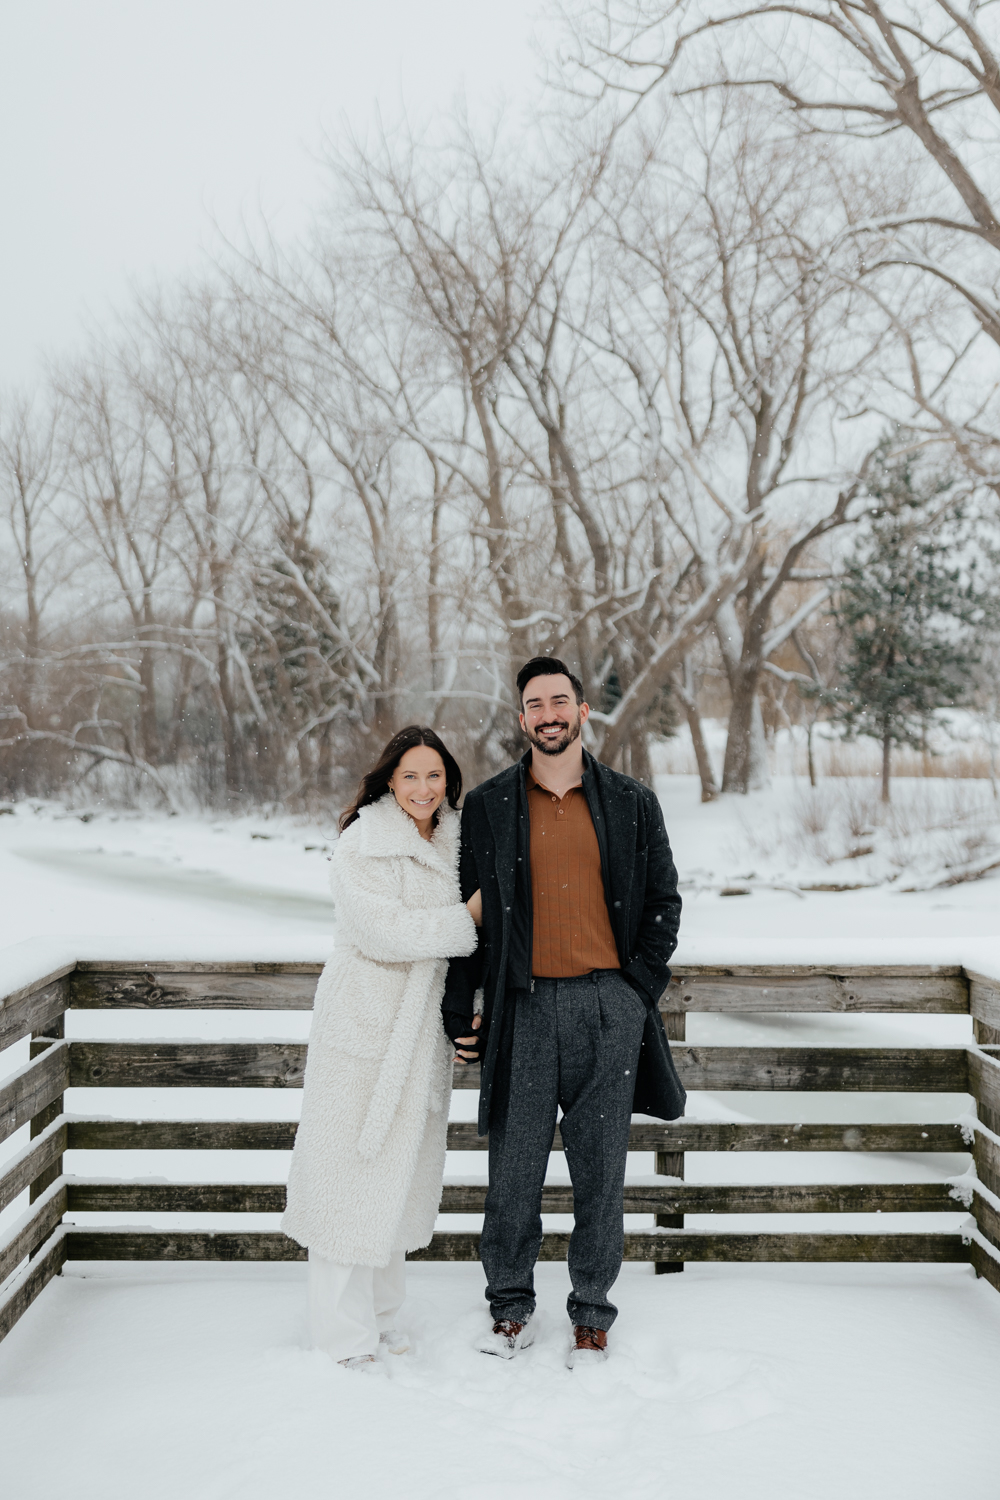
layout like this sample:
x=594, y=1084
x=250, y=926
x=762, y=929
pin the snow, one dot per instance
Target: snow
x=773, y=1380
x=766, y=1382
x=226, y=884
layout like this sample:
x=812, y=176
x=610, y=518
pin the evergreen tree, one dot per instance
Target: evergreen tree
x=296, y=663
x=660, y=723
x=907, y=609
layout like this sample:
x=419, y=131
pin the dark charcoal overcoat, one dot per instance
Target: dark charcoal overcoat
x=640, y=885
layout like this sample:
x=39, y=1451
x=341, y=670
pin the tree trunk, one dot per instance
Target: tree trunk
x=149, y=731
x=307, y=769
x=232, y=748
x=886, y=765
x=639, y=766
x=325, y=763
x=746, y=768
x=434, y=593
x=386, y=663
x=180, y=708
x=32, y=639
x=809, y=751
x=685, y=694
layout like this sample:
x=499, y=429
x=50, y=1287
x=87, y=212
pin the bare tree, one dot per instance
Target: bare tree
x=858, y=69
x=537, y=427
x=121, y=514
x=731, y=323
x=31, y=456
x=896, y=88
x=314, y=348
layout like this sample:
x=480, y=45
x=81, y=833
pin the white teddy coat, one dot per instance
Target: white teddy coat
x=370, y=1149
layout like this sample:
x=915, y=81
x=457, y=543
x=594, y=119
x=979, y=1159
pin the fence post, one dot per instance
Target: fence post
x=984, y=1085
x=984, y=1003
x=670, y=1163
x=41, y=1041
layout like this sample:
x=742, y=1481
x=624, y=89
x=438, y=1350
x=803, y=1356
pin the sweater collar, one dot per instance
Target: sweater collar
x=522, y=767
x=385, y=831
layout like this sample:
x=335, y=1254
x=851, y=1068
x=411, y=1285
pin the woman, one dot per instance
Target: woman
x=369, y=1155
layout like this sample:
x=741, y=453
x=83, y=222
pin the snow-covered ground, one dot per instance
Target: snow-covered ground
x=779, y=1381
x=756, y=1382
x=71, y=875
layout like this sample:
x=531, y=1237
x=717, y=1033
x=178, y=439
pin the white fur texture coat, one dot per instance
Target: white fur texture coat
x=370, y=1150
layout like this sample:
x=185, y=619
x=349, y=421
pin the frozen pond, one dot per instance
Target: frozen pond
x=157, y=880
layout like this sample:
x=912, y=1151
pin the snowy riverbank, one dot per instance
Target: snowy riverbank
x=262, y=880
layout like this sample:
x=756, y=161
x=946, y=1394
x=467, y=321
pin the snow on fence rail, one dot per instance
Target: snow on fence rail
x=34, y=1095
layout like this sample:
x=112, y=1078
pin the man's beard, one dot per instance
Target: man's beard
x=556, y=746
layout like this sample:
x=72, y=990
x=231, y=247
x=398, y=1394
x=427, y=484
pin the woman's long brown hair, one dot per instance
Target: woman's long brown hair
x=375, y=783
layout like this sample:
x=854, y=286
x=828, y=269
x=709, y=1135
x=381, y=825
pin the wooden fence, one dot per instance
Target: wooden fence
x=34, y=1095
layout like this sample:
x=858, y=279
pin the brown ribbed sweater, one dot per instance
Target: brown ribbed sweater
x=571, y=929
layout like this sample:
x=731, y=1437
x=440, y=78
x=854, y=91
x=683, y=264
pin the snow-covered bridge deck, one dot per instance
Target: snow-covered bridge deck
x=168, y=1358
x=763, y=1382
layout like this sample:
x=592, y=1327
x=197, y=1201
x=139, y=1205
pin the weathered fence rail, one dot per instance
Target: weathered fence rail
x=34, y=1095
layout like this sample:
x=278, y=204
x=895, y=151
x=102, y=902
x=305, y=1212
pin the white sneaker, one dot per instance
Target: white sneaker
x=507, y=1338
x=394, y=1342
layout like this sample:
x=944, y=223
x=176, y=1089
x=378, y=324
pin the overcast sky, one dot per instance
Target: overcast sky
x=128, y=126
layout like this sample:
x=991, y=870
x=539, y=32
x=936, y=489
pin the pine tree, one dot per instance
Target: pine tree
x=907, y=609
x=296, y=664
x=659, y=723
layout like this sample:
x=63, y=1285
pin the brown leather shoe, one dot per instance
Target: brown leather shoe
x=590, y=1346
x=507, y=1338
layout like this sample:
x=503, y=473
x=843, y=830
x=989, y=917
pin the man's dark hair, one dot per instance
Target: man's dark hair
x=547, y=666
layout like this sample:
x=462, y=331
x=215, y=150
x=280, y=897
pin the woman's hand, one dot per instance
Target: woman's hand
x=475, y=907
x=477, y=1021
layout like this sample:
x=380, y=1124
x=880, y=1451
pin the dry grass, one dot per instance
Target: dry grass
x=833, y=759
x=927, y=828
x=865, y=759
x=861, y=805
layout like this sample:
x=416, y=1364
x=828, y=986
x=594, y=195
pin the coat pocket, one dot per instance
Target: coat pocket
x=356, y=1011
x=618, y=1003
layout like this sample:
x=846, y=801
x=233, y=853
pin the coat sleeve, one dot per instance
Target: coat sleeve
x=383, y=929
x=465, y=972
x=656, y=939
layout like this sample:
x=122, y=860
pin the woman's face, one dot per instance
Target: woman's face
x=418, y=783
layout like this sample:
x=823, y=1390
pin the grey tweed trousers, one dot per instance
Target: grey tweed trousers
x=575, y=1046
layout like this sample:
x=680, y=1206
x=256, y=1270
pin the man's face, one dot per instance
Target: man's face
x=552, y=718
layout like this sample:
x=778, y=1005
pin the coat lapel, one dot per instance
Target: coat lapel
x=387, y=832
x=619, y=808
x=501, y=803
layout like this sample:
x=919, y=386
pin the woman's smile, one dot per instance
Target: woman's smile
x=419, y=784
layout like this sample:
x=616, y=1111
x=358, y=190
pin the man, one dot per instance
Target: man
x=580, y=915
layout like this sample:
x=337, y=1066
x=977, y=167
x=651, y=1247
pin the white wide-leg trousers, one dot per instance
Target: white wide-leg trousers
x=349, y=1306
